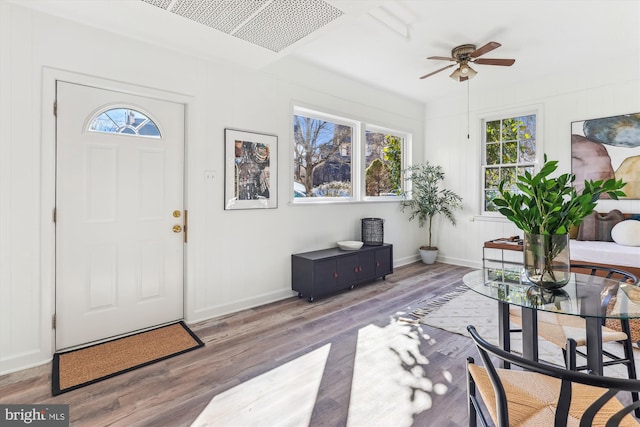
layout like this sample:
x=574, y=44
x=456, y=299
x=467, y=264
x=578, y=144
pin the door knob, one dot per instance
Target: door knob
x=177, y=228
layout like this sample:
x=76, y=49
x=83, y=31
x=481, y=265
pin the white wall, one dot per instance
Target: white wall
x=235, y=259
x=605, y=88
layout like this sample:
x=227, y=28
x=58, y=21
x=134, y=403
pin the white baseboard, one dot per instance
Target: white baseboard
x=221, y=310
x=460, y=261
x=407, y=260
x=23, y=361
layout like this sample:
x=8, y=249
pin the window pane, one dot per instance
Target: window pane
x=493, y=154
x=488, y=200
x=527, y=126
x=522, y=170
x=149, y=129
x=493, y=131
x=510, y=129
x=491, y=177
x=509, y=177
x=527, y=151
x=383, y=163
x=125, y=121
x=322, y=158
x=510, y=152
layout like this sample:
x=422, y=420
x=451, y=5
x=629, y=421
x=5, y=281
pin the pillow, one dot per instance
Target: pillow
x=627, y=233
x=598, y=226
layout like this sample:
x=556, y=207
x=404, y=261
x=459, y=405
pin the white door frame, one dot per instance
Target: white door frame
x=48, y=184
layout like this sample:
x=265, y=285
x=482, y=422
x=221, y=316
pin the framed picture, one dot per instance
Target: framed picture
x=605, y=148
x=251, y=169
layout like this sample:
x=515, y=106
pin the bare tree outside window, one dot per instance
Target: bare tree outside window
x=322, y=157
x=342, y=159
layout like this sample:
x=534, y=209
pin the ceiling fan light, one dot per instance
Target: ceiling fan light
x=462, y=73
x=467, y=71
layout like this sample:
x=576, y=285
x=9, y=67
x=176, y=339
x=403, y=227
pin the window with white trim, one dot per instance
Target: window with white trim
x=509, y=149
x=340, y=159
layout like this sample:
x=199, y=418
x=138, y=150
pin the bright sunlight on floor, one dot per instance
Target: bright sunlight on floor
x=389, y=385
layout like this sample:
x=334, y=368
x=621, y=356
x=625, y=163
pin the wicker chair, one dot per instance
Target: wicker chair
x=557, y=328
x=538, y=394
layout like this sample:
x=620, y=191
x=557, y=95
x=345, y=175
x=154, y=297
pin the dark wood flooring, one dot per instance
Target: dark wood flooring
x=243, y=345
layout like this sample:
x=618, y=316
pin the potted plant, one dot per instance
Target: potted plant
x=426, y=199
x=545, y=209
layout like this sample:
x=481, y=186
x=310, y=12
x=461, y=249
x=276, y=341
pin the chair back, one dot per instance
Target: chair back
x=609, y=273
x=609, y=386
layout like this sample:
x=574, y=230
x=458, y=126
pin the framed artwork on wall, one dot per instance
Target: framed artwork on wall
x=605, y=148
x=251, y=161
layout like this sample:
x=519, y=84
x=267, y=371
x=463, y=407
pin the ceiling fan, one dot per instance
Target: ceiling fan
x=465, y=54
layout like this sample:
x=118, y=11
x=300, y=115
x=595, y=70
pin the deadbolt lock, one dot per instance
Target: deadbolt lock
x=176, y=214
x=177, y=228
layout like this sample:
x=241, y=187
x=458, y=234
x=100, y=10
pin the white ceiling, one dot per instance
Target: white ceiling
x=544, y=36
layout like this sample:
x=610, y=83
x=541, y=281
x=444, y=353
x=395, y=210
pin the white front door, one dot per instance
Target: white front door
x=119, y=213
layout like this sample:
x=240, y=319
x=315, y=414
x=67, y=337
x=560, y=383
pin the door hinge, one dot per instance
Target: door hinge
x=55, y=108
x=53, y=322
x=54, y=215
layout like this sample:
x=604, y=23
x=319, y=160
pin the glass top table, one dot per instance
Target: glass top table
x=585, y=295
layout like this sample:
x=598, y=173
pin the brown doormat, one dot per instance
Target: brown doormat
x=78, y=368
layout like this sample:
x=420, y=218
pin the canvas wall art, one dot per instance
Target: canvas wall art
x=250, y=170
x=607, y=147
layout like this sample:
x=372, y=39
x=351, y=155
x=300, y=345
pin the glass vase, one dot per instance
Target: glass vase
x=546, y=260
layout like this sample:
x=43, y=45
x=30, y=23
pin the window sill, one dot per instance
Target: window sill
x=488, y=218
x=316, y=201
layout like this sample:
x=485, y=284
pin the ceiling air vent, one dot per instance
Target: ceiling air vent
x=162, y=4
x=271, y=24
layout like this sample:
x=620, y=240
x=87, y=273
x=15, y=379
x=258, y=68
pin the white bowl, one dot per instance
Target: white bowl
x=350, y=245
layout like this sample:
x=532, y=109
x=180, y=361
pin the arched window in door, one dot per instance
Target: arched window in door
x=125, y=121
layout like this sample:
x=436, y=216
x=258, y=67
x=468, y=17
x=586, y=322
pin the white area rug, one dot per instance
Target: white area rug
x=454, y=311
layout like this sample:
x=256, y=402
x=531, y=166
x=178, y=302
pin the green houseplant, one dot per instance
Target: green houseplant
x=545, y=209
x=426, y=199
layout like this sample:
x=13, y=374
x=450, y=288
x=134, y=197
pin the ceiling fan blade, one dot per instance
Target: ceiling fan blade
x=437, y=71
x=494, y=61
x=484, y=49
x=442, y=58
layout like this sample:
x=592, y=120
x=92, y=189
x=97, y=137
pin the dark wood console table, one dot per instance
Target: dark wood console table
x=327, y=271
